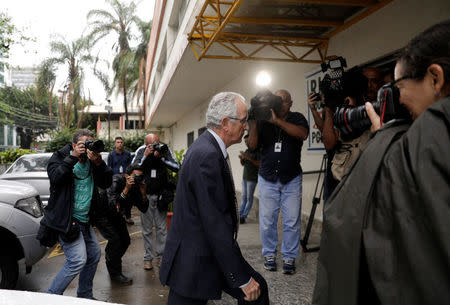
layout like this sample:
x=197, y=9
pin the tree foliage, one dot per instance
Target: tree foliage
x=73, y=55
x=28, y=111
x=9, y=34
x=118, y=20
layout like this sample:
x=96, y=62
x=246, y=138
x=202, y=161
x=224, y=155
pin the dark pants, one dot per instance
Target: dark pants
x=114, y=229
x=237, y=293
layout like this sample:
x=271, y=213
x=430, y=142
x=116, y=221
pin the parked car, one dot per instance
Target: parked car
x=20, y=212
x=31, y=169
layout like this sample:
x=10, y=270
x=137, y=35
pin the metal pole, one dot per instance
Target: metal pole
x=109, y=108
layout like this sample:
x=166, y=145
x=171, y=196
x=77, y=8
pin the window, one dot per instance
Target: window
x=190, y=138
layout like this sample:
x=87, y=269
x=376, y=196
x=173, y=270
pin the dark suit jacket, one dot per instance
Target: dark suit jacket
x=201, y=256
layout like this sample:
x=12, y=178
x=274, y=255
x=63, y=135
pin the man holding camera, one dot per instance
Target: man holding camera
x=75, y=171
x=119, y=159
x=155, y=158
x=280, y=180
x=343, y=149
x=127, y=190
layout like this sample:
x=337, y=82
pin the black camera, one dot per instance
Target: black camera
x=160, y=147
x=337, y=84
x=96, y=146
x=351, y=122
x=332, y=84
x=138, y=179
x=261, y=104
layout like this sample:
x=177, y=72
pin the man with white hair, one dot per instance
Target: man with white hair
x=202, y=257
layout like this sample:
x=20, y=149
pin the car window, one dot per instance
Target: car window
x=29, y=163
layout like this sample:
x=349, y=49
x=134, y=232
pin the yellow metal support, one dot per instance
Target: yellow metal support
x=331, y=2
x=228, y=15
x=211, y=28
x=281, y=21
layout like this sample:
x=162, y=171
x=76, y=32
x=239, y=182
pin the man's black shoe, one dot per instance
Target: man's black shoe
x=242, y=220
x=121, y=279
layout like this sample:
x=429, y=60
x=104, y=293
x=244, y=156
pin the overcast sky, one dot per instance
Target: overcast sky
x=44, y=19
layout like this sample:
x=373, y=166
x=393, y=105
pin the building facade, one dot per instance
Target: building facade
x=179, y=86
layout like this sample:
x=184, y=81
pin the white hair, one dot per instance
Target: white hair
x=223, y=104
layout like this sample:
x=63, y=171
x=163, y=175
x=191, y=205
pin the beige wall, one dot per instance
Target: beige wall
x=379, y=34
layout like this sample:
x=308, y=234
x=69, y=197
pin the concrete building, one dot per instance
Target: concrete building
x=113, y=123
x=198, y=49
x=23, y=77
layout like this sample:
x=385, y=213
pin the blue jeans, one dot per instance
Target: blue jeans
x=288, y=197
x=248, y=188
x=82, y=257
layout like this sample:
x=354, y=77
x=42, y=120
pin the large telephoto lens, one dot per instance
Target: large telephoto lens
x=352, y=120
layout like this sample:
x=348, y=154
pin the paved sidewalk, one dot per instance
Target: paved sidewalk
x=284, y=289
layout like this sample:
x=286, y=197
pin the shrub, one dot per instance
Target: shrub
x=12, y=155
x=179, y=157
x=59, y=139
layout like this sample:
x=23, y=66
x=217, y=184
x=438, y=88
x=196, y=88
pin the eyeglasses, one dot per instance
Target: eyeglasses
x=394, y=83
x=243, y=121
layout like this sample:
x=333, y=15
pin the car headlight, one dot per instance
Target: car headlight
x=31, y=206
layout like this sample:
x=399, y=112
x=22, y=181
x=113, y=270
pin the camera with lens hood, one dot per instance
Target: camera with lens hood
x=261, y=104
x=352, y=121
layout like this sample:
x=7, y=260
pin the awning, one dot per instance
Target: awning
x=275, y=30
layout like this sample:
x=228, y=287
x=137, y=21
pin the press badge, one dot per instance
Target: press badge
x=153, y=173
x=277, y=147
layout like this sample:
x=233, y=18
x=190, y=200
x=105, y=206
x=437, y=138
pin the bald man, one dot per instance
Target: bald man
x=155, y=159
x=280, y=181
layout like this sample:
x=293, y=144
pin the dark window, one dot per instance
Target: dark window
x=201, y=130
x=190, y=138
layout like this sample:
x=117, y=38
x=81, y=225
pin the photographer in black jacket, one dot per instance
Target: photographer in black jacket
x=127, y=190
x=155, y=159
x=386, y=238
x=75, y=171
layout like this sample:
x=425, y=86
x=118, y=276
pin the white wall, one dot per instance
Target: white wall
x=379, y=34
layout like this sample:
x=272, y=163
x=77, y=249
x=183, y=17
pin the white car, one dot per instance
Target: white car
x=20, y=213
x=32, y=169
x=14, y=297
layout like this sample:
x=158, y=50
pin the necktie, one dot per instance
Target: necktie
x=234, y=195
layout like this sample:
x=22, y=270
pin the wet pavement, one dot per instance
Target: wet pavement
x=146, y=288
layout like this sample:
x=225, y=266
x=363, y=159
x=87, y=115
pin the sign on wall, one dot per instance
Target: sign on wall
x=315, y=136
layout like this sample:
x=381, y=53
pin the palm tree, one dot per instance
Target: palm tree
x=46, y=82
x=119, y=22
x=140, y=60
x=73, y=54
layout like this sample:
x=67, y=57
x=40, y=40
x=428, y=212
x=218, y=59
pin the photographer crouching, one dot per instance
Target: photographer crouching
x=75, y=171
x=386, y=238
x=155, y=158
x=127, y=190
